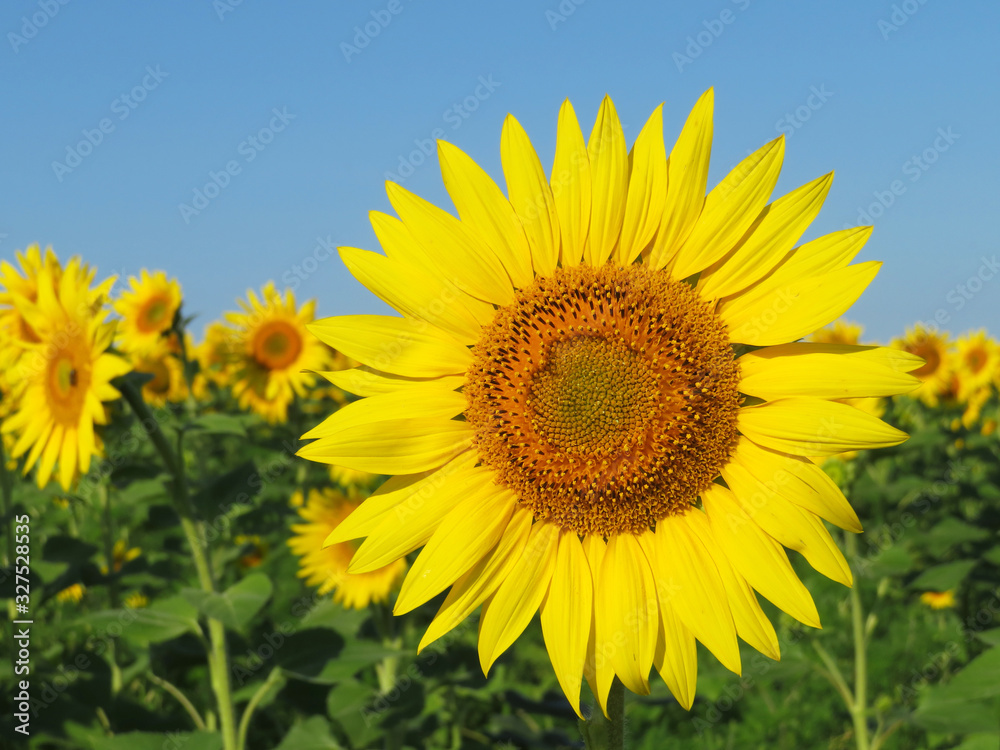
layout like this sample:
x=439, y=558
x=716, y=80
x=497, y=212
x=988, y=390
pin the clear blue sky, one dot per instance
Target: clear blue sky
x=210, y=76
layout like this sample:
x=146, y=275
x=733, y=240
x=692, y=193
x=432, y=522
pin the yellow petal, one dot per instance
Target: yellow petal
x=571, y=186
x=730, y=209
x=757, y=557
x=412, y=292
x=403, y=494
x=363, y=382
x=598, y=669
x=475, y=586
x=397, y=345
x=531, y=196
x=398, y=446
x=676, y=657
x=805, y=369
x=465, y=536
x=786, y=523
x=513, y=605
x=694, y=587
x=426, y=401
x=49, y=455
x=797, y=308
x=474, y=267
x=566, y=615
x=609, y=173
x=67, y=459
x=814, y=427
x=627, y=608
x=485, y=212
x=687, y=179
x=772, y=235
x=799, y=481
x=411, y=524
x=647, y=187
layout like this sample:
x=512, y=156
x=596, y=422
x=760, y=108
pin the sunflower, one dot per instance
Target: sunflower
x=270, y=351
x=938, y=599
x=936, y=352
x=63, y=378
x=977, y=356
x=593, y=404
x=839, y=332
x=326, y=568
x=73, y=593
x=167, y=384
x=147, y=310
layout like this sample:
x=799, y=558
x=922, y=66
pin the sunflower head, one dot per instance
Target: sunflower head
x=326, y=567
x=147, y=310
x=593, y=402
x=63, y=378
x=939, y=599
x=271, y=353
x=840, y=332
x=168, y=383
x=977, y=357
x=935, y=350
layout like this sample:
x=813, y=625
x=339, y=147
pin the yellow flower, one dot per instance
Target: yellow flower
x=168, y=382
x=326, y=568
x=346, y=478
x=938, y=599
x=121, y=553
x=214, y=353
x=63, y=378
x=257, y=549
x=271, y=352
x=136, y=600
x=72, y=593
x=977, y=358
x=147, y=310
x=936, y=351
x=571, y=382
x=839, y=332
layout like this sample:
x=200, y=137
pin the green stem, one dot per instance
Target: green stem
x=218, y=658
x=275, y=677
x=607, y=733
x=109, y=556
x=859, y=709
x=181, y=698
x=7, y=490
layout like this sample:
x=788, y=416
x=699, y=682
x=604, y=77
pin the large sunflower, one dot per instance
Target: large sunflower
x=326, y=568
x=936, y=371
x=593, y=403
x=978, y=358
x=63, y=378
x=147, y=310
x=271, y=354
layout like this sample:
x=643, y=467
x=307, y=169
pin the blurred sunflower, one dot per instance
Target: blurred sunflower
x=63, y=378
x=839, y=332
x=977, y=357
x=73, y=594
x=938, y=599
x=936, y=352
x=121, y=553
x=168, y=384
x=136, y=600
x=147, y=310
x=272, y=353
x=326, y=568
x=253, y=550
x=214, y=352
x=570, y=386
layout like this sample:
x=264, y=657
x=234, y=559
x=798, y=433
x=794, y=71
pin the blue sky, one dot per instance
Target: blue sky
x=310, y=110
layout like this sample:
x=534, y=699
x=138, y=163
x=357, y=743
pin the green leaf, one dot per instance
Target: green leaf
x=157, y=741
x=944, y=577
x=356, y=655
x=952, y=532
x=959, y=706
x=235, y=606
x=993, y=555
x=978, y=741
x=219, y=424
x=979, y=679
x=354, y=706
x=990, y=637
x=67, y=549
x=230, y=494
x=162, y=621
x=311, y=734
x=305, y=654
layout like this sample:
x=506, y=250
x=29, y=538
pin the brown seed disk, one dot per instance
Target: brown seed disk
x=605, y=397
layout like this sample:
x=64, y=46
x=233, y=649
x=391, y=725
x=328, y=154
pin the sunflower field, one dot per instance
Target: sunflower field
x=272, y=531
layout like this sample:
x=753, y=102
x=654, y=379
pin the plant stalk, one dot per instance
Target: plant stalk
x=607, y=733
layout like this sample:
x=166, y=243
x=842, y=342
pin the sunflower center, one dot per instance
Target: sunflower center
x=153, y=316
x=68, y=380
x=276, y=345
x=160, y=384
x=606, y=398
x=932, y=359
x=976, y=360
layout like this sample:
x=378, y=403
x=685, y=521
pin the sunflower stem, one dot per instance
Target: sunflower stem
x=7, y=490
x=218, y=657
x=859, y=708
x=607, y=733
